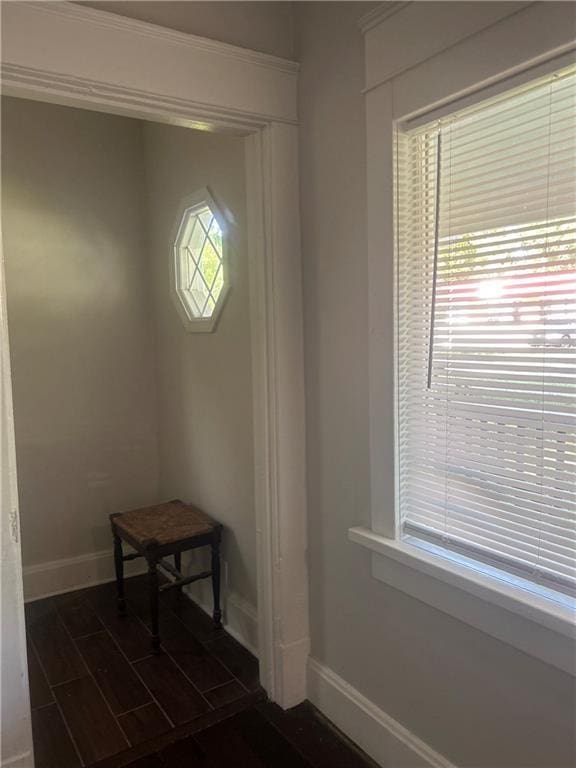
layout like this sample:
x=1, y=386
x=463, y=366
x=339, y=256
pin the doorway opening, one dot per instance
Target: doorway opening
x=120, y=404
x=150, y=73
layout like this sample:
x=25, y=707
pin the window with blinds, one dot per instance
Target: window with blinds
x=486, y=333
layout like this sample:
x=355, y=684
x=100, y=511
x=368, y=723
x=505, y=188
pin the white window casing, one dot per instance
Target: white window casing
x=460, y=514
x=200, y=268
x=486, y=340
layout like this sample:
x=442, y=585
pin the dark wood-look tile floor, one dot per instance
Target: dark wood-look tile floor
x=96, y=691
x=259, y=736
x=100, y=699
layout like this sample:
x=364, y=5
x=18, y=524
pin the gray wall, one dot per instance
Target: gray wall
x=204, y=379
x=80, y=326
x=261, y=26
x=473, y=698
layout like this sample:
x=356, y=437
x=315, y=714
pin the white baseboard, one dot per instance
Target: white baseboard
x=241, y=621
x=18, y=761
x=240, y=618
x=59, y=576
x=387, y=742
x=291, y=673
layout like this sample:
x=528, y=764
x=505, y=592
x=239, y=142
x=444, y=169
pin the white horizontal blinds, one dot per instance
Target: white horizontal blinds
x=487, y=371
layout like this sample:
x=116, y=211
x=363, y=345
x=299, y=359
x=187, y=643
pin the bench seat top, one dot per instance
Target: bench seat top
x=166, y=523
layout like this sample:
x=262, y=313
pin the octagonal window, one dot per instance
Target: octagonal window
x=200, y=263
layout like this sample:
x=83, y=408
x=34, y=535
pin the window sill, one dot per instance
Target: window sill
x=538, y=626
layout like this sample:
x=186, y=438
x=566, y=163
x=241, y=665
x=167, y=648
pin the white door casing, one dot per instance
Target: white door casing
x=97, y=60
x=15, y=733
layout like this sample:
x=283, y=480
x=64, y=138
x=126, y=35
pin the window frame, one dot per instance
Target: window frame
x=189, y=207
x=557, y=589
x=525, y=619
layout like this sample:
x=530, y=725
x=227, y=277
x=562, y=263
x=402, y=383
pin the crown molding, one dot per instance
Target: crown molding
x=380, y=13
x=110, y=20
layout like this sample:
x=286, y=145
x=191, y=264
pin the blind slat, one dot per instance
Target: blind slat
x=487, y=440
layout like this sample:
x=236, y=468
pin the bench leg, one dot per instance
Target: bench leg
x=119, y=568
x=215, y=567
x=154, y=622
x=178, y=566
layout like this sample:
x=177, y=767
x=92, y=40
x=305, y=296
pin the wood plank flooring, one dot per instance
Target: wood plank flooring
x=259, y=736
x=100, y=699
x=95, y=688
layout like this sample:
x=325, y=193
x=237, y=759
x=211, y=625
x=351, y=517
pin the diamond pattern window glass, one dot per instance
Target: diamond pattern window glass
x=200, y=264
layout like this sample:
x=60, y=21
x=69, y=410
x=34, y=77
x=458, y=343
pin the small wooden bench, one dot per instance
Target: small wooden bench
x=157, y=532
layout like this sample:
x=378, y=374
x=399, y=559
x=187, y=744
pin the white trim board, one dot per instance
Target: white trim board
x=411, y=33
x=91, y=60
x=239, y=619
x=15, y=716
x=533, y=624
x=19, y=761
x=80, y=44
x=382, y=737
x=68, y=574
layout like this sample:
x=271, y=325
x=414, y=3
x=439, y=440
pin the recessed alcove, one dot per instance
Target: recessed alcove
x=116, y=404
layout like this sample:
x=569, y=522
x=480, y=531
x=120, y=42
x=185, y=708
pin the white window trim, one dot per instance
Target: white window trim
x=524, y=619
x=533, y=624
x=189, y=207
